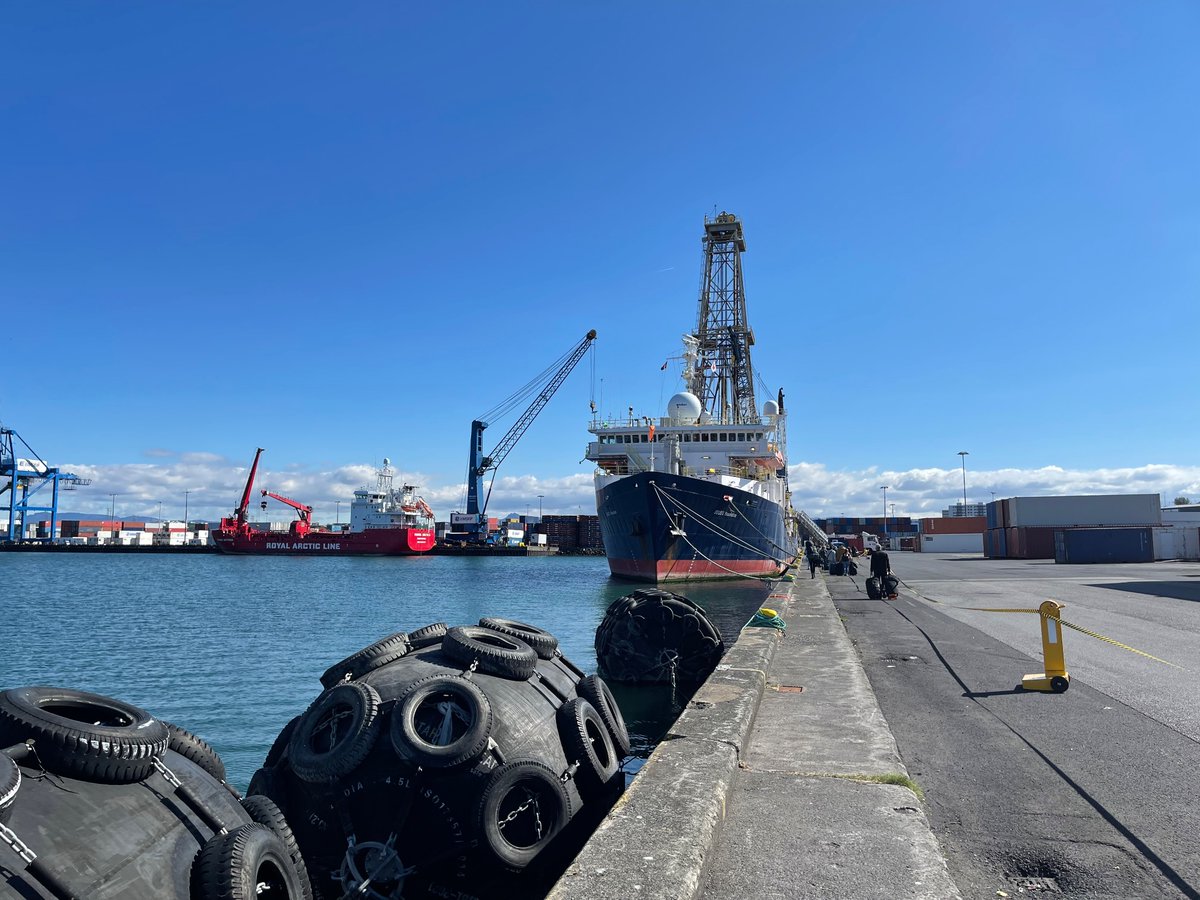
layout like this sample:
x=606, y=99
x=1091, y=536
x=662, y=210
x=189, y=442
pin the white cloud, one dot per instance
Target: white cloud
x=215, y=485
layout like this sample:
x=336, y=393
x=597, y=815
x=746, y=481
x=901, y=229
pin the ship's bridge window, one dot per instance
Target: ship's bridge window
x=704, y=436
x=741, y=436
x=687, y=437
x=724, y=437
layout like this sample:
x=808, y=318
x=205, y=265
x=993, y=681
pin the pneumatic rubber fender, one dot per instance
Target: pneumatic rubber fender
x=85, y=735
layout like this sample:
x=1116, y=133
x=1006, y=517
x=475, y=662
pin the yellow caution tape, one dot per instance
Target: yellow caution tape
x=1063, y=622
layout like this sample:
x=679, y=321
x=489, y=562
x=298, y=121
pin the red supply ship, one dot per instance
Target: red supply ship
x=383, y=522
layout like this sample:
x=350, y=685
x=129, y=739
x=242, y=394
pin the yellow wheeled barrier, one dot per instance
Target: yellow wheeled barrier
x=1055, y=679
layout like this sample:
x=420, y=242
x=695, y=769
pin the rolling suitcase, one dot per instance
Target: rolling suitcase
x=873, y=590
x=891, y=584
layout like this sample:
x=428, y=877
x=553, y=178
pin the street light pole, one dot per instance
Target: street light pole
x=337, y=514
x=963, y=454
x=884, y=488
x=540, y=496
x=185, y=501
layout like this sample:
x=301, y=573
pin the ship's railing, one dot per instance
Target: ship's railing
x=672, y=421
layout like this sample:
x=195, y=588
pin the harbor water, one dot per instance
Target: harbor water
x=232, y=647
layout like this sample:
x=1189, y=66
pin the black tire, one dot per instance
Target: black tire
x=245, y=864
x=515, y=788
x=280, y=744
x=268, y=783
x=368, y=659
x=10, y=783
x=593, y=689
x=427, y=636
x=586, y=741
x=196, y=749
x=336, y=733
x=495, y=653
x=88, y=736
x=264, y=811
x=441, y=722
x=544, y=644
x=1059, y=685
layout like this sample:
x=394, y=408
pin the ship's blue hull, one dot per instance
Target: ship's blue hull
x=659, y=527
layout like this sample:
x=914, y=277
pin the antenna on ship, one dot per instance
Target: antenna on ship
x=723, y=376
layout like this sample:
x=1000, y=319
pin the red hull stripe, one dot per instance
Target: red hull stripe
x=682, y=570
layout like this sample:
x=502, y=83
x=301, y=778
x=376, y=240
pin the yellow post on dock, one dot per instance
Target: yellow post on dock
x=1056, y=678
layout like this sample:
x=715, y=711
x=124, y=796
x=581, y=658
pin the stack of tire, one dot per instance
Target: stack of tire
x=445, y=762
x=656, y=636
x=99, y=799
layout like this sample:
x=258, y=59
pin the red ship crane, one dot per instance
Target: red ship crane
x=240, y=520
x=302, y=525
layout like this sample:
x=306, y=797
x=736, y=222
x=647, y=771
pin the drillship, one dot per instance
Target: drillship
x=702, y=492
x=383, y=522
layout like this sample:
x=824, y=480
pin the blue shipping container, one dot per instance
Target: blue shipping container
x=1103, y=545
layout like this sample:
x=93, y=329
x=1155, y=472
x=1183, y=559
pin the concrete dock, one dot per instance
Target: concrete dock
x=780, y=779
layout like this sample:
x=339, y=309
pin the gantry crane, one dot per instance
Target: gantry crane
x=546, y=384
x=20, y=479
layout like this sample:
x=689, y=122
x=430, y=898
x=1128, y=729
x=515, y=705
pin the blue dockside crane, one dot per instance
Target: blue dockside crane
x=474, y=521
x=20, y=479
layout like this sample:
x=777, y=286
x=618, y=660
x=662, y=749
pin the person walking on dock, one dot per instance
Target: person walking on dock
x=813, y=562
x=881, y=568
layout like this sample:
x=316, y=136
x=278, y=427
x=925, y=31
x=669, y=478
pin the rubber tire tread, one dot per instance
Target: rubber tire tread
x=463, y=645
x=593, y=773
x=498, y=785
x=265, y=811
x=344, y=756
x=105, y=754
x=544, y=644
x=414, y=749
x=280, y=744
x=596, y=691
x=10, y=783
x=427, y=636
x=226, y=868
x=368, y=659
x=195, y=749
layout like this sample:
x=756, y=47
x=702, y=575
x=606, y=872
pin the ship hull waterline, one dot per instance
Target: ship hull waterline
x=372, y=542
x=660, y=528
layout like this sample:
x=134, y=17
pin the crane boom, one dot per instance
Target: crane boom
x=240, y=513
x=480, y=463
x=304, y=511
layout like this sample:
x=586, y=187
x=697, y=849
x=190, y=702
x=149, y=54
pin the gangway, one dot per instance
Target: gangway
x=21, y=477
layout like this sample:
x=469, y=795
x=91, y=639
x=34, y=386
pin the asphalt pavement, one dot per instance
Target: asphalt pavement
x=1087, y=794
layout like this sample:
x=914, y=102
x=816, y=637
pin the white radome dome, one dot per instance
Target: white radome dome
x=770, y=408
x=684, y=406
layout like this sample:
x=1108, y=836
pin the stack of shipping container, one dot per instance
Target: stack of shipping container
x=573, y=532
x=1088, y=528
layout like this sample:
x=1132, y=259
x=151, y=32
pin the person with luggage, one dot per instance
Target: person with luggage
x=813, y=561
x=881, y=568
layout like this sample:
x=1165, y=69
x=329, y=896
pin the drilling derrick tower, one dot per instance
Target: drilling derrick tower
x=723, y=376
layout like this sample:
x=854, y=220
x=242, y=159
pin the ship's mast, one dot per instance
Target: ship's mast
x=722, y=375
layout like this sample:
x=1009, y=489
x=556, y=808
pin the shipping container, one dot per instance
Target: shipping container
x=954, y=525
x=951, y=543
x=1103, y=545
x=1176, y=542
x=1086, y=510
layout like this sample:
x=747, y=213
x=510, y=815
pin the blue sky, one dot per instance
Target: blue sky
x=342, y=233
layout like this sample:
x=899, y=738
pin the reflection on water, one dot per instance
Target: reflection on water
x=231, y=648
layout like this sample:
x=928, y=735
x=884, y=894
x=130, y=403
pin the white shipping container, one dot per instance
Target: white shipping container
x=1176, y=542
x=952, y=543
x=1096, y=509
x=514, y=534
x=539, y=539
